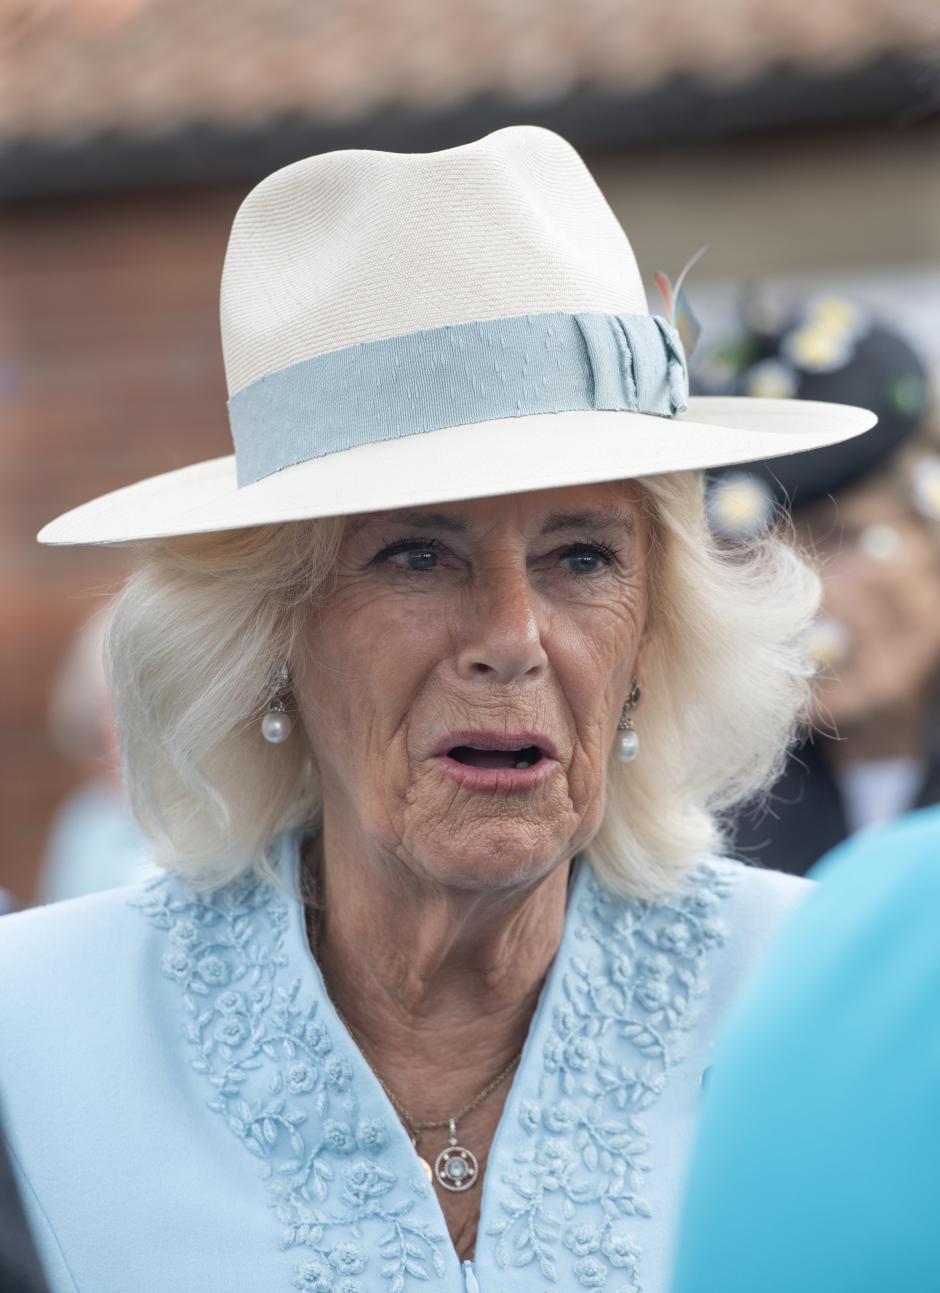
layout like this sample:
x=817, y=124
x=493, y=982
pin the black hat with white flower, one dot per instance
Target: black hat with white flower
x=829, y=348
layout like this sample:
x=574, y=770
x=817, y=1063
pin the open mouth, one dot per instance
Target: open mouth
x=526, y=756
x=498, y=763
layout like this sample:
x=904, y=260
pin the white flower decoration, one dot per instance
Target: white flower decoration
x=827, y=641
x=739, y=506
x=771, y=379
x=818, y=349
x=926, y=486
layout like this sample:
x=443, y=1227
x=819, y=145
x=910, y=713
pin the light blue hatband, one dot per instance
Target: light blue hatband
x=454, y=375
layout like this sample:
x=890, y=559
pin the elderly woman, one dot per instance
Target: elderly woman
x=426, y=993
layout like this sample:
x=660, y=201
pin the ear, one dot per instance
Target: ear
x=643, y=658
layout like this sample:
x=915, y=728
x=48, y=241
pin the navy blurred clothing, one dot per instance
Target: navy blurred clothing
x=807, y=815
x=817, y=1162
x=19, y=1266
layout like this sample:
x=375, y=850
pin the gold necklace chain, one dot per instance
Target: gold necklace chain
x=456, y=1168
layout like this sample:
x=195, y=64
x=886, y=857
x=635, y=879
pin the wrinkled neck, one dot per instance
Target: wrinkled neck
x=424, y=975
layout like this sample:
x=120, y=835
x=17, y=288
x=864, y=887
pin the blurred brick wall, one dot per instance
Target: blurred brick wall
x=110, y=370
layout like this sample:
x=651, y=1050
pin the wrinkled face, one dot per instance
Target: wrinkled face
x=881, y=583
x=462, y=683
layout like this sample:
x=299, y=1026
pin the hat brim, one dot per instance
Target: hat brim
x=506, y=456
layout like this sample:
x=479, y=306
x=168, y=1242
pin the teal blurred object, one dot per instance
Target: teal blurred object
x=817, y=1162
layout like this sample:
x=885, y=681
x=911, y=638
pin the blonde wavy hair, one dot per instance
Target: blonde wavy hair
x=198, y=632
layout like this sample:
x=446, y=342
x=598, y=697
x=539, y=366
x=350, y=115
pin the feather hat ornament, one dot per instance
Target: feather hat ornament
x=678, y=310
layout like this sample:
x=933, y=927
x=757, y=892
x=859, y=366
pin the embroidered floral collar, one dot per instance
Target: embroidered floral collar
x=563, y=1194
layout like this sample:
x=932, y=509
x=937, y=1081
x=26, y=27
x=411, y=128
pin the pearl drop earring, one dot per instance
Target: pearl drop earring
x=276, y=725
x=628, y=742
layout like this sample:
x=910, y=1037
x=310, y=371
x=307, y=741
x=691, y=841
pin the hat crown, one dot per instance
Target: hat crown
x=359, y=245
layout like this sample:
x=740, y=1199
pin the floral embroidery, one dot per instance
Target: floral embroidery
x=630, y=987
x=628, y=1000
x=284, y=1091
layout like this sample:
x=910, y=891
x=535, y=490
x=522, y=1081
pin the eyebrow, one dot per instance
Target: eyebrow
x=600, y=518
x=413, y=521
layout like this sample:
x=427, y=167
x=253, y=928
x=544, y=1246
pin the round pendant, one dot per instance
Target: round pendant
x=456, y=1168
x=428, y=1169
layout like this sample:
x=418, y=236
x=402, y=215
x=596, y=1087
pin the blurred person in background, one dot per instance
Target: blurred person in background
x=94, y=842
x=868, y=513
x=816, y=1164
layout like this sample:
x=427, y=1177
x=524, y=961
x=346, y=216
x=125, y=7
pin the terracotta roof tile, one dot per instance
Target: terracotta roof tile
x=74, y=67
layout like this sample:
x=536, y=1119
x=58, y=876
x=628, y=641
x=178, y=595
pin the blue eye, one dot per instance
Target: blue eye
x=416, y=558
x=587, y=558
x=411, y=554
x=583, y=563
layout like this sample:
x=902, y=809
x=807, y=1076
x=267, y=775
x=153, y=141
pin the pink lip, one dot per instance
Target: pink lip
x=497, y=781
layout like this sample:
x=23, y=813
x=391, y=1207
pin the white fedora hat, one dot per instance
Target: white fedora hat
x=409, y=328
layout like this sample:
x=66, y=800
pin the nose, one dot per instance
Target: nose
x=501, y=635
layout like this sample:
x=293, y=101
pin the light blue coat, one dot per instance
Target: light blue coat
x=187, y=1112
